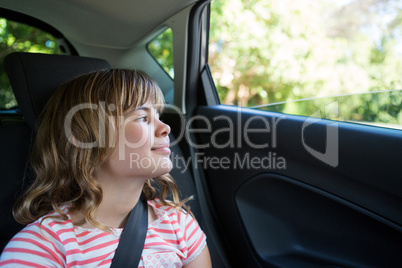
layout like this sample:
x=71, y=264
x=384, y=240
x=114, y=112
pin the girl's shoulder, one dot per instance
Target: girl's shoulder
x=179, y=225
x=162, y=209
x=42, y=235
x=166, y=213
x=52, y=223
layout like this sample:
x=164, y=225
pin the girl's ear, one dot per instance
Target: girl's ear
x=74, y=141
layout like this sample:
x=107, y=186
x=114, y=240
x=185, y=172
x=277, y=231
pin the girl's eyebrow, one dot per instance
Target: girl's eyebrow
x=147, y=109
x=144, y=108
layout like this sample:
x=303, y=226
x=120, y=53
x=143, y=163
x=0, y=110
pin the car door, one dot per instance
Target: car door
x=292, y=190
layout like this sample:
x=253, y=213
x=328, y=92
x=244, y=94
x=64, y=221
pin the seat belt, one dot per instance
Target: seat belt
x=132, y=239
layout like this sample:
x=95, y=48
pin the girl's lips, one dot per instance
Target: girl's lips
x=162, y=148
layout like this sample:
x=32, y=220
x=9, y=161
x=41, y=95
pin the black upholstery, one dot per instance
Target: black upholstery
x=34, y=77
x=15, y=140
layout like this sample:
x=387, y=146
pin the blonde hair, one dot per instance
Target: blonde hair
x=65, y=173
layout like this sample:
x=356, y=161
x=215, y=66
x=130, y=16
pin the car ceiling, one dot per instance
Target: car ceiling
x=115, y=24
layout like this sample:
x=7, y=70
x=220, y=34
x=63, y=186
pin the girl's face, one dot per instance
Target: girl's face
x=142, y=149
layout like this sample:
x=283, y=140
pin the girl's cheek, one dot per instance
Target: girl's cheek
x=136, y=135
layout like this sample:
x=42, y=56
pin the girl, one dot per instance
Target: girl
x=100, y=145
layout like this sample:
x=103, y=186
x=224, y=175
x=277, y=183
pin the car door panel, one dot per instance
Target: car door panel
x=285, y=201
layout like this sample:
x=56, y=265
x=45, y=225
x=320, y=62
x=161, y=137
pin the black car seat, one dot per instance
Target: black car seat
x=34, y=77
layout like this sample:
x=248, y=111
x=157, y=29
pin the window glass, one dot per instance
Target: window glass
x=15, y=36
x=161, y=48
x=302, y=56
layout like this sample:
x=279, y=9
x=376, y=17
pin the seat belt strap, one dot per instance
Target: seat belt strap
x=132, y=239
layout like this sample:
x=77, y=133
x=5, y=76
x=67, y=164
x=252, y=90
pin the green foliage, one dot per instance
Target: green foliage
x=377, y=108
x=161, y=48
x=20, y=37
x=269, y=51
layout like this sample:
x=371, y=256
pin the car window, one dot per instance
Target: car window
x=322, y=58
x=161, y=48
x=15, y=36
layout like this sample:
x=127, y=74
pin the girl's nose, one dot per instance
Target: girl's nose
x=162, y=129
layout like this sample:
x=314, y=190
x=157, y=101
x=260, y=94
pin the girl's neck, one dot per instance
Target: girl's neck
x=119, y=196
x=118, y=199
x=115, y=207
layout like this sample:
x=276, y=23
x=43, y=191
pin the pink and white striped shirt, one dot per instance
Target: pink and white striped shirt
x=173, y=240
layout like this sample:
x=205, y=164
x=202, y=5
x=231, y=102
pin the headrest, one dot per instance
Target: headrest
x=34, y=77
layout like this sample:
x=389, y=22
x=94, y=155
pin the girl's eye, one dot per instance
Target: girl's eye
x=143, y=119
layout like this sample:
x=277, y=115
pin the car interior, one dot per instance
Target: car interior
x=276, y=204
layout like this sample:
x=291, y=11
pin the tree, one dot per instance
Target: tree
x=264, y=52
x=161, y=48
